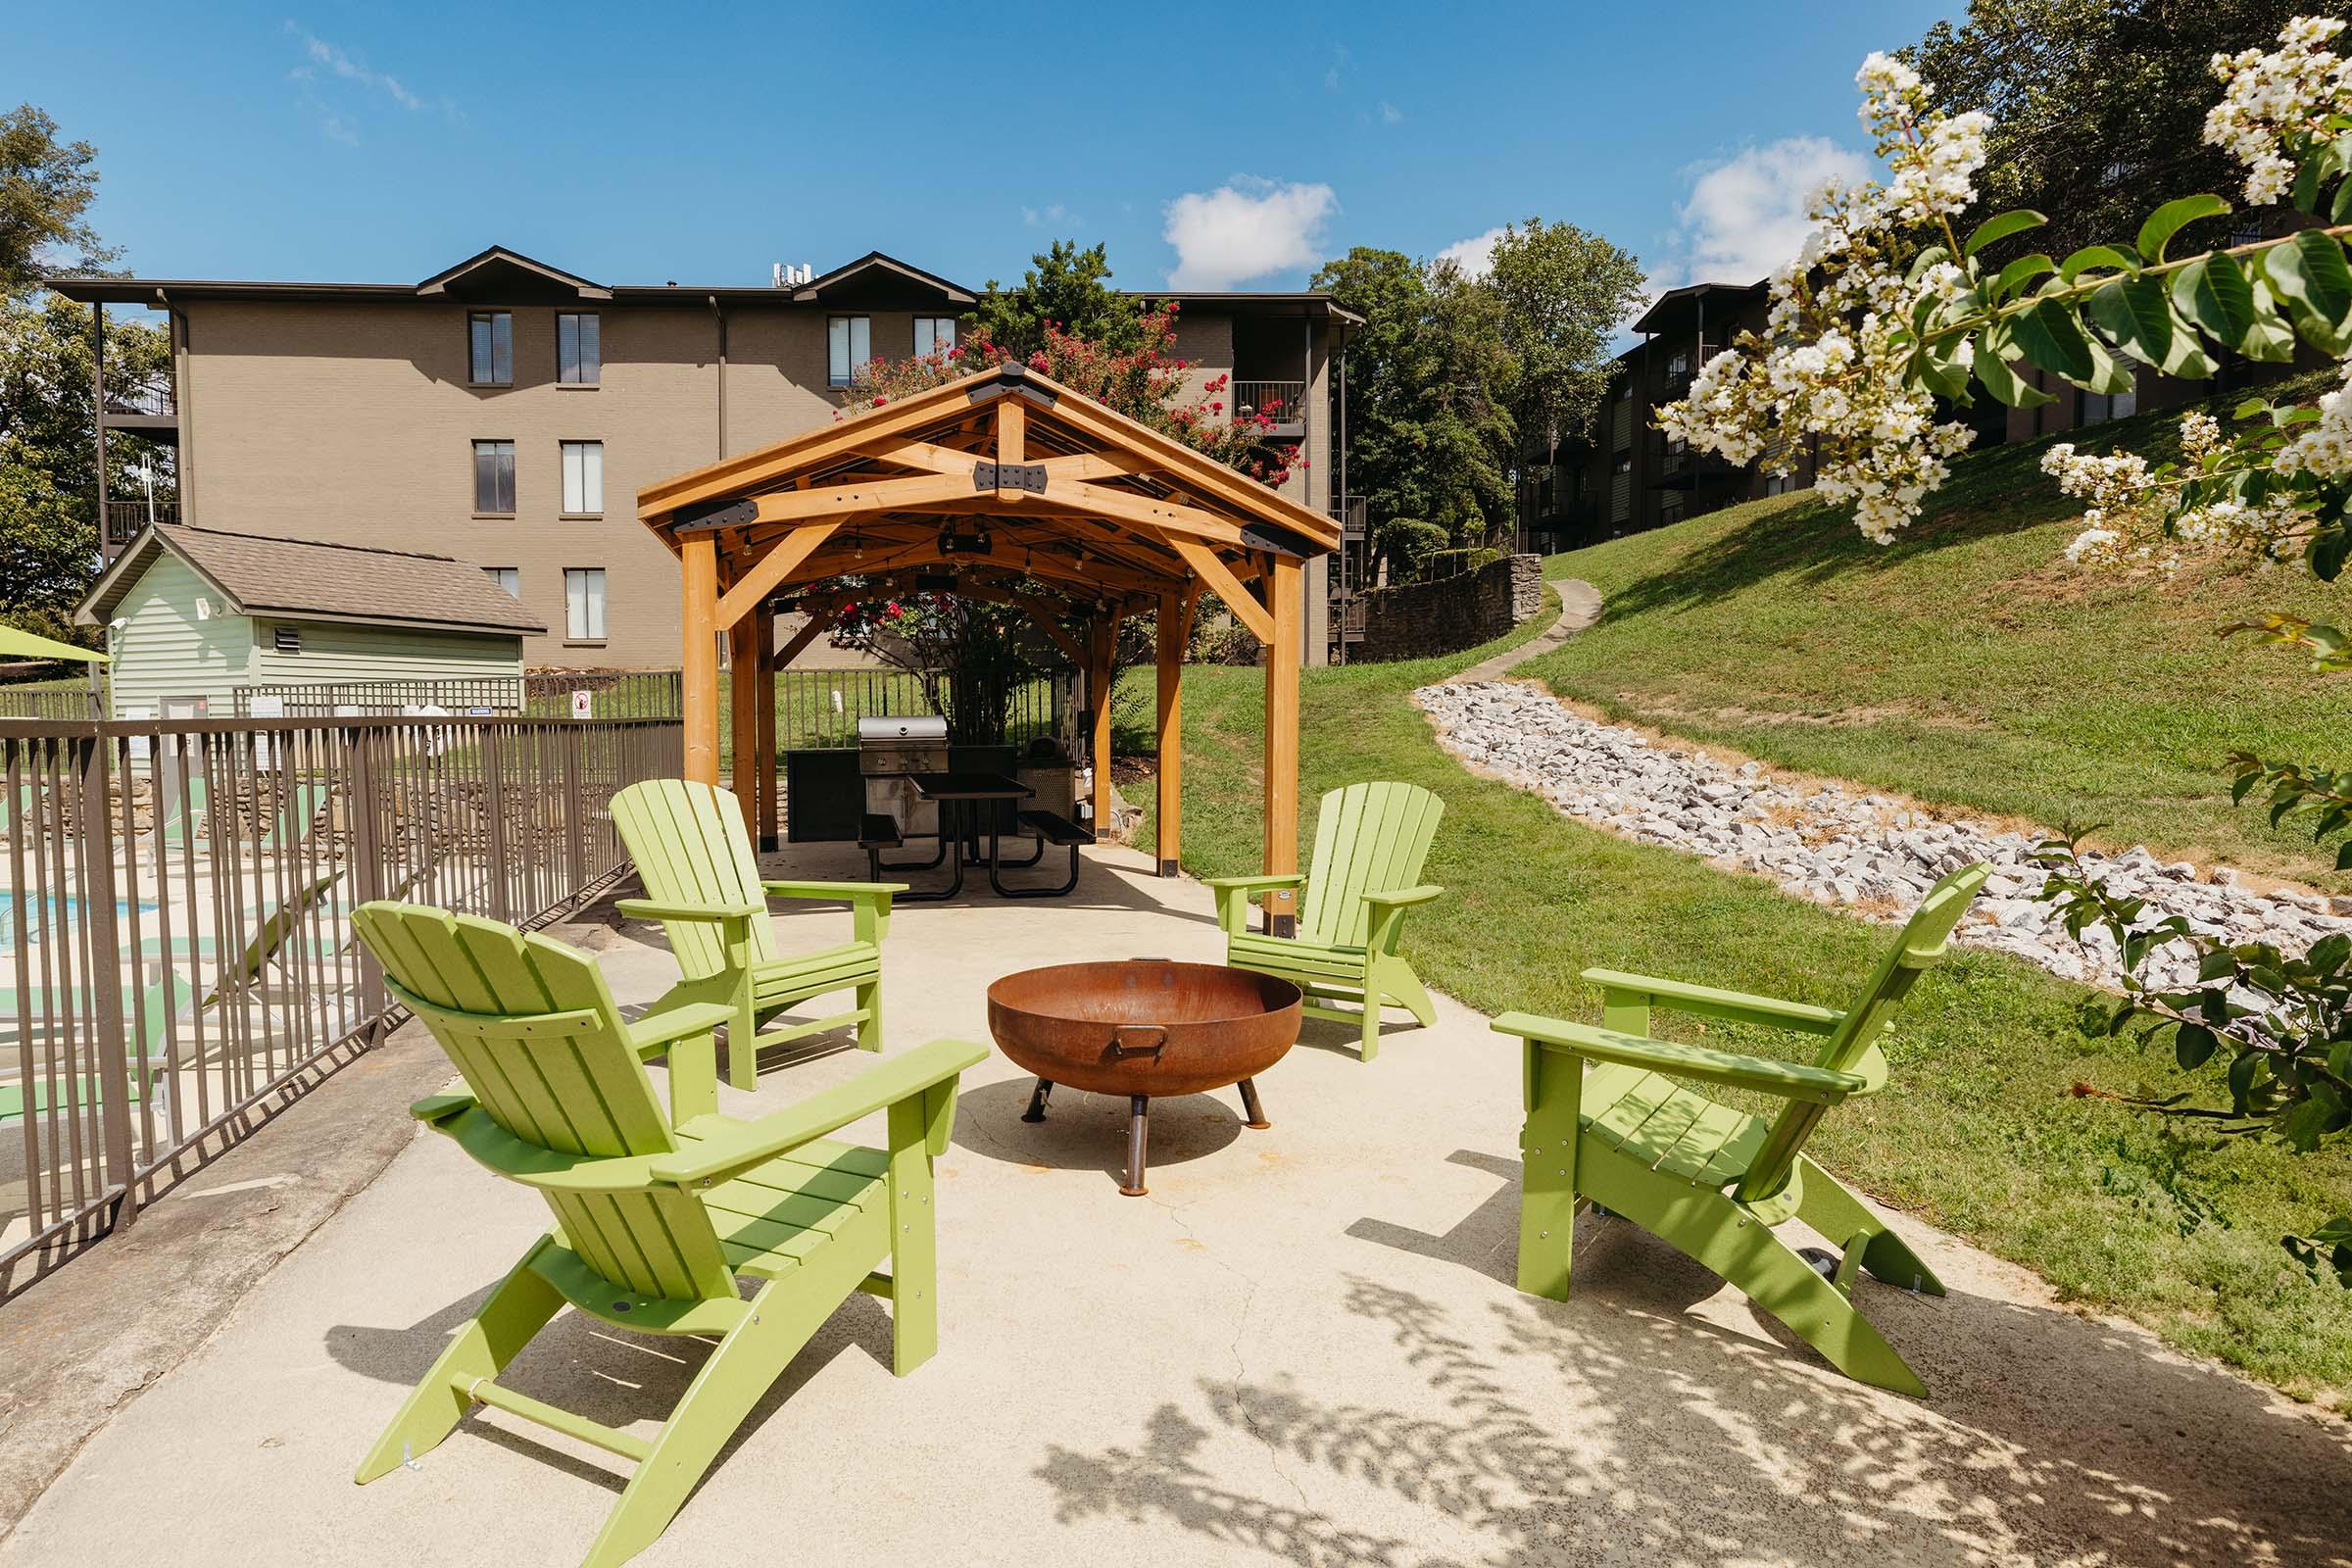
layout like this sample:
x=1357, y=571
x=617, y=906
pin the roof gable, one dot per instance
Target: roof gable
x=498, y=274
x=303, y=579
x=879, y=280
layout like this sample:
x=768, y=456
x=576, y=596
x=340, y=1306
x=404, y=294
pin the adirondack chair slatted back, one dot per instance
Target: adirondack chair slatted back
x=531, y=1023
x=690, y=847
x=1369, y=837
x=1917, y=948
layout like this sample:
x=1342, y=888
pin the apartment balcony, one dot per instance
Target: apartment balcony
x=126, y=518
x=1680, y=467
x=151, y=409
x=1283, y=402
x=1349, y=513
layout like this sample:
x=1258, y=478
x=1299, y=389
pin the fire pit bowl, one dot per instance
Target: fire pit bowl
x=1143, y=1027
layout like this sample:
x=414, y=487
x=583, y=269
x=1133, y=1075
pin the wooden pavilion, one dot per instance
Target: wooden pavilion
x=1023, y=493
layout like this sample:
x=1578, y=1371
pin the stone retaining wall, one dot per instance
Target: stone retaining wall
x=1418, y=619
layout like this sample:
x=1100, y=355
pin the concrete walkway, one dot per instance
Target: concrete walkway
x=1580, y=607
x=1303, y=1348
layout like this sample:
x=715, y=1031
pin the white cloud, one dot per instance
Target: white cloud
x=1340, y=59
x=1390, y=113
x=1475, y=256
x=1745, y=216
x=1246, y=229
x=321, y=56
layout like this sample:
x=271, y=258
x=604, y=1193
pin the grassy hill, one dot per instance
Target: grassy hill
x=1968, y=663
x=1984, y=1131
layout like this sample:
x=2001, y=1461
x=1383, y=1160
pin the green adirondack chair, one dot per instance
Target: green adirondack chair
x=655, y=1216
x=1711, y=1180
x=704, y=886
x=1370, y=840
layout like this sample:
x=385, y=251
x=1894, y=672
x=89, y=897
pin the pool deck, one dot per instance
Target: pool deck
x=1303, y=1347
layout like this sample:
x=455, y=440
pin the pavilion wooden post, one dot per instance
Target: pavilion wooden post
x=698, y=656
x=1102, y=633
x=743, y=716
x=1283, y=656
x=770, y=837
x=1175, y=633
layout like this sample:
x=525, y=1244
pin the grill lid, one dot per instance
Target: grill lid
x=883, y=728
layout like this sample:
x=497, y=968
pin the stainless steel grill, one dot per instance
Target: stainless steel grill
x=890, y=751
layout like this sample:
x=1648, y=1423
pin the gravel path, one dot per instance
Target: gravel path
x=1871, y=853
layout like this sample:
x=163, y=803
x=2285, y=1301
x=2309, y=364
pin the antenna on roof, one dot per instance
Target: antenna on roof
x=784, y=276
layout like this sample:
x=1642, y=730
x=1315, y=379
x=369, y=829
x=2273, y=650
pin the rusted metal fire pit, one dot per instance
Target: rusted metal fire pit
x=1144, y=1027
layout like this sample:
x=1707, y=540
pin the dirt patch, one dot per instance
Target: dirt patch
x=1843, y=718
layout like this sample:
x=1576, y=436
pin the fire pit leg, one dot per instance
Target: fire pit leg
x=1252, y=1109
x=1037, y=1101
x=1139, y=1132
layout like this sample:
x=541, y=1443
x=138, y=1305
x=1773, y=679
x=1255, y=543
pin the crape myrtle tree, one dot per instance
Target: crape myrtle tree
x=1892, y=307
x=1121, y=351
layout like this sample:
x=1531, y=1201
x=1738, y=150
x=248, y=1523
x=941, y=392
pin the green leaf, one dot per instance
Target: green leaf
x=2193, y=1046
x=2343, y=857
x=2169, y=219
x=2213, y=292
x=1996, y=377
x=2136, y=315
x=2309, y=276
x=2000, y=226
x=2090, y=256
x=2328, y=552
x=2018, y=273
x=2268, y=338
x=2314, y=1118
x=2053, y=340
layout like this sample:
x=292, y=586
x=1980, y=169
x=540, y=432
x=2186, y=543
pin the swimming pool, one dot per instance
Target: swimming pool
x=43, y=918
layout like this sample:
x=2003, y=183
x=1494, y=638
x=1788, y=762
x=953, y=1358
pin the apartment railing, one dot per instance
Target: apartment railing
x=1283, y=402
x=154, y=399
x=176, y=952
x=1350, y=512
x=124, y=518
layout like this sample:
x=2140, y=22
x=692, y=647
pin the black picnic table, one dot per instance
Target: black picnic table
x=959, y=797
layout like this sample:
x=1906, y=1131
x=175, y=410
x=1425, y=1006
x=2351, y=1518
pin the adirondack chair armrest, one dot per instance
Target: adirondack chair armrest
x=664, y=909
x=1737, y=1006
x=869, y=902
x=434, y=1109
x=1387, y=914
x=649, y=1034
x=1233, y=897
x=724, y=1146
x=1403, y=896
x=1784, y=1080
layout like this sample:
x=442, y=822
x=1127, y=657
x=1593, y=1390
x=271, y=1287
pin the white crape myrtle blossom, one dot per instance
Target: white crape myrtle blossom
x=2325, y=450
x=2275, y=95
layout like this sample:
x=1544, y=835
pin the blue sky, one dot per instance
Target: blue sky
x=1228, y=148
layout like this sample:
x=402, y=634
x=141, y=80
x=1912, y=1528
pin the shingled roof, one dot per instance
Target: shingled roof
x=307, y=580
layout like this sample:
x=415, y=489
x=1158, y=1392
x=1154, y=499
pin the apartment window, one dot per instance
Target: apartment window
x=584, y=604
x=2100, y=406
x=508, y=577
x=494, y=476
x=491, y=335
x=579, y=349
x=848, y=348
x=934, y=334
x=584, y=477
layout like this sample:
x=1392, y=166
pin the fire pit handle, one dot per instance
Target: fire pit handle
x=1119, y=1048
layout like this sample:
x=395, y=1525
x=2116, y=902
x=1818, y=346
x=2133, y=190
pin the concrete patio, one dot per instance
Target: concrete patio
x=1303, y=1348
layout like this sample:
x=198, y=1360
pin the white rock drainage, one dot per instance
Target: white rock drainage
x=1867, y=853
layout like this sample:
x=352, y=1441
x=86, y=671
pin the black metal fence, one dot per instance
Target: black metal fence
x=819, y=709
x=177, y=956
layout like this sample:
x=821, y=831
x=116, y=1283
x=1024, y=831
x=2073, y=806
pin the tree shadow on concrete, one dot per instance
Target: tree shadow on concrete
x=1621, y=1426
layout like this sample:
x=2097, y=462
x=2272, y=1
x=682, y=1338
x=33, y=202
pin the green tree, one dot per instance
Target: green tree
x=46, y=186
x=1430, y=379
x=2094, y=103
x=1066, y=286
x=1562, y=292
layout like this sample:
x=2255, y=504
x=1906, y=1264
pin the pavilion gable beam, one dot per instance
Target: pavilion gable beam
x=910, y=493
x=1218, y=577
x=765, y=575
x=753, y=470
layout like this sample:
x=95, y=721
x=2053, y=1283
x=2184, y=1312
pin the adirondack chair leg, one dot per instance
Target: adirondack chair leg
x=518, y=1308
x=1547, y=1150
x=1398, y=980
x=1841, y=1216
x=743, y=1038
x=869, y=1032
x=1710, y=1228
x=1369, y=1047
x=914, y=1242
x=735, y=1378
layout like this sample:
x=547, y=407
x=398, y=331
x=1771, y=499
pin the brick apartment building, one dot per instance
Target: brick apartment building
x=506, y=412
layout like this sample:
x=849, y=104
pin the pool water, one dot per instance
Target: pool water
x=54, y=915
